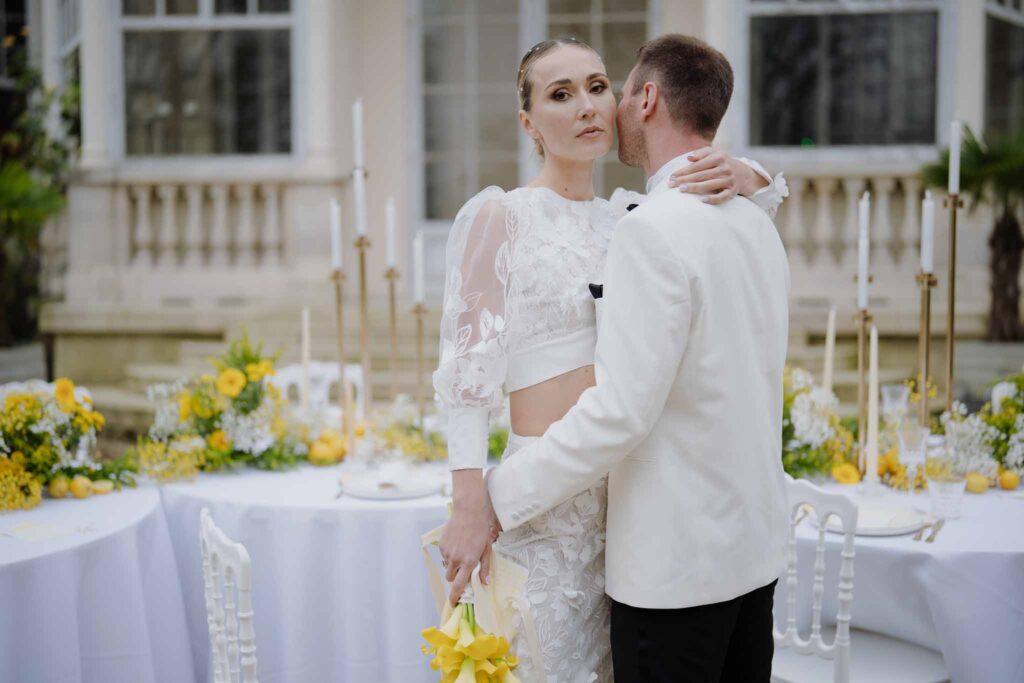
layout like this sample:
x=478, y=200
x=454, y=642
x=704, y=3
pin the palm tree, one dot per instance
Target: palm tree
x=993, y=172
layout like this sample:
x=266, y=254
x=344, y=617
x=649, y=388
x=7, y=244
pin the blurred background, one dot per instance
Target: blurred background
x=167, y=166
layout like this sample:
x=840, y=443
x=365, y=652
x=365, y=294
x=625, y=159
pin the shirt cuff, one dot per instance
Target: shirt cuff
x=468, y=435
x=770, y=197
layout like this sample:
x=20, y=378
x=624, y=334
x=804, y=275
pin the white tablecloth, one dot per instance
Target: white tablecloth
x=962, y=595
x=101, y=603
x=339, y=589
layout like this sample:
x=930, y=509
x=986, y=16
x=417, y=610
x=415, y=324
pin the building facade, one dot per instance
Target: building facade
x=215, y=132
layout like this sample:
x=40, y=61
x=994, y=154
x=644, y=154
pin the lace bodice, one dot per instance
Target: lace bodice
x=517, y=307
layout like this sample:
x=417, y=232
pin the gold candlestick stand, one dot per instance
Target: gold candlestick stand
x=419, y=310
x=953, y=202
x=362, y=244
x=338, y=278
x=863, y=321
x=926, y=281
x=392, y=275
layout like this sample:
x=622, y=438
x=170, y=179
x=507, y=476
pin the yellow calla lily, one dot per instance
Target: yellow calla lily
x=467, y=672
x=466, y=635
x=483, y=647
x=451, y=627
x=486, y=667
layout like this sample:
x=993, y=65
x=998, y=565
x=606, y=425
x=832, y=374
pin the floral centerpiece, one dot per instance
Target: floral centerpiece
x=814, y=442
x=47, y=439
x=1007, y=423
x=216, y=422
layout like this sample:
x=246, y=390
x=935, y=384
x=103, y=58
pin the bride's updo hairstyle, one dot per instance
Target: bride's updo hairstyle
x=523, y=85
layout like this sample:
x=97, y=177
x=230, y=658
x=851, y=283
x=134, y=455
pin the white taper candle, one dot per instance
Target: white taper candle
x=418, y=268
x=389, y=223
x=871, y=461
x=336, y=241
x=928, y=233
x=830, y=351
x=955, y=134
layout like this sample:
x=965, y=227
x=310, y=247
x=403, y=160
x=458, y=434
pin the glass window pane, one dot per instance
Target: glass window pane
x=577, y=30
x=570, y=6
x=182, y=6
x=1004, y=109
x=444, y=54
x=444, y=118
x=844, y=79
x=504, y=174
x=499, y=45
x=207, y=92
x=624, y=5
x=499, y=122
x=445, y=188
x=137, y=7
x=443, y=7
x=621, y=41
x=275, y=6
x=230, y=6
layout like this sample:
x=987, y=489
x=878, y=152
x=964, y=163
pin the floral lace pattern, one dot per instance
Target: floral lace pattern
x=563, y=552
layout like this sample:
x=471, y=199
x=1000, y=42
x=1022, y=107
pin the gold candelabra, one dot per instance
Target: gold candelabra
x=953, y=202
x=338, y=278
x=419, y=310
x=926, y=281
x=392, y=275
x=863, y=321
x=362, y=244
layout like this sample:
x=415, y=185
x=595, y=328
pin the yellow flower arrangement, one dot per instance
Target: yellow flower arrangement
x=19, y=490
x=179, y=459
x=230, y=382
x=257, y=371
x=463, y=653
x=219, y=441
x=64, y=391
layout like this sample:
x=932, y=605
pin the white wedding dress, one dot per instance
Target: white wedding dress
x=518, y=311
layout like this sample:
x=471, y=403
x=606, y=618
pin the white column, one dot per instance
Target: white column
x=96, y=84
x=167, y=239
x=320, y=74
x=49, y=25
x=219, y=238
x=969, y=96
x=245, y=242
x=194, y=226
x=824, y=234
x=911, y=228
x=854, y=189
x=144, y=241
x=272, y=239
x=882, y=241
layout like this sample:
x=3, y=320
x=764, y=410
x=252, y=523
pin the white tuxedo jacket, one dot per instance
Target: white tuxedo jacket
x=686, y=416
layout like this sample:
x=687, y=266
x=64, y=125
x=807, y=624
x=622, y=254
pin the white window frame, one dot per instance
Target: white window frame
x=205, y=19
x=533, y=26
x=845, y=155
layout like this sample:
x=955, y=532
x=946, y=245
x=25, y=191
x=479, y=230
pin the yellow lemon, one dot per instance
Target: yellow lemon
x=81, y=487
x=846, y=473
x=977, y=483
x=59, y=487
x=1009, y=480
x=322, y=453
x=102, y=486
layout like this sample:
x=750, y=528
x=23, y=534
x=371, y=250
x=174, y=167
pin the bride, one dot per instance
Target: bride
x=519, y=317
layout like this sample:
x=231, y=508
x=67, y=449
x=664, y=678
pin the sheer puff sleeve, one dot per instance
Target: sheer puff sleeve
x=474, y=325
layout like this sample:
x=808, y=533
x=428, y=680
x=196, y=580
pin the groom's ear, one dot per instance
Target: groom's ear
x=649, y=100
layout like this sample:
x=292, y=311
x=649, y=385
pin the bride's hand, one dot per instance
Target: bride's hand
x=717, y=176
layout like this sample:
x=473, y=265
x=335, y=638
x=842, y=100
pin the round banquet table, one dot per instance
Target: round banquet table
x=89, y=592
x=339, y=588
x=962, y=595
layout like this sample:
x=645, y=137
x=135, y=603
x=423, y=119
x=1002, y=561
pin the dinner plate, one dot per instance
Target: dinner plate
x=380, y=486
x=883, y=520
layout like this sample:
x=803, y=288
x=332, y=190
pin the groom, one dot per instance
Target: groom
x=686, y=416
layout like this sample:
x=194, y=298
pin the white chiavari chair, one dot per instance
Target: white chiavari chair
x=841, y=654
x=228, y=579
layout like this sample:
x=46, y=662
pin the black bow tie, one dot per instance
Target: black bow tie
x=596, y=291
x=631, y=207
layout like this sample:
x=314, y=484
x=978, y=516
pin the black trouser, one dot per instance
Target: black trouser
x=724, y=642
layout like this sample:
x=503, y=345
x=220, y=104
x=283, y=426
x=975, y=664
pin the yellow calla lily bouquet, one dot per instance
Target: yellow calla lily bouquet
x=464, y=653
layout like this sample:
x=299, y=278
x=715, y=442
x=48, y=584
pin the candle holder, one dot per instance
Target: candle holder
x=392, y=275
x=419, y=310
x=338, y=278
x=362, y=244
x=952, y=202
x=926, y=281
x=863, y=321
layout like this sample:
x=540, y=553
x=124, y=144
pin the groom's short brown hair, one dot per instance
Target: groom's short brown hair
x=694, y=78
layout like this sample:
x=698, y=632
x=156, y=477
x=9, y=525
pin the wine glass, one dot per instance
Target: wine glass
x=913, y=438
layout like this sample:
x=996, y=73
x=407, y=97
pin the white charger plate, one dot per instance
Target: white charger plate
x=882, y=520
x=380, y=487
